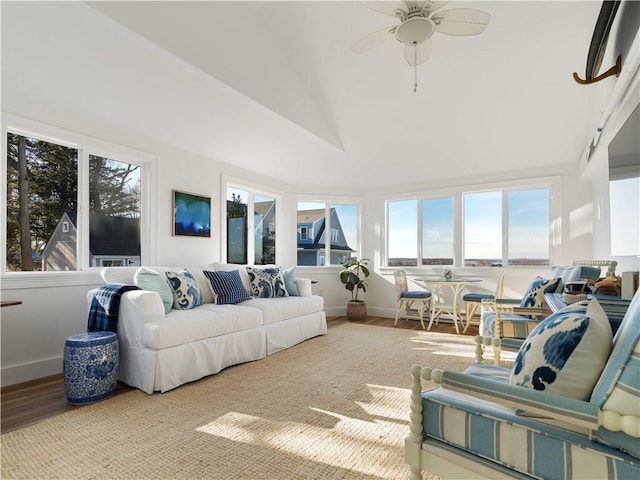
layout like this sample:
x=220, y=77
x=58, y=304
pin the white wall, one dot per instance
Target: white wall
x=612, y=100
x=33, y=333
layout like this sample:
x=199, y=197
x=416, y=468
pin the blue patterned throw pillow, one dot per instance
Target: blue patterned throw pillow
x=535, y=293
x=227, y=287
x=186, y=293
x=267, y=282
x=566, y=352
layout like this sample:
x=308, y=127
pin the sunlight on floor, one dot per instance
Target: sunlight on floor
x=377, y=432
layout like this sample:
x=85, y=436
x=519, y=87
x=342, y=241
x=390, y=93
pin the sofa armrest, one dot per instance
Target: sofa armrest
x=137, y=307
x=304, y=287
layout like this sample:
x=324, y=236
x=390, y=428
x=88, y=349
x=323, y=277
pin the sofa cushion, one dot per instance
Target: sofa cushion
x=206, y=321
x=566, y=352
x=283, y=308
x=186, y=292
x=289, y=276
x=227, y=287
x=534, y=297
x=148, y=279
x=267, y=282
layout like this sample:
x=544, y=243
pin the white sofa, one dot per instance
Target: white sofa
x=159, y=352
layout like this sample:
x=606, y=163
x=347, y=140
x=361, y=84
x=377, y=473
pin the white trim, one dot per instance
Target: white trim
x=552, y=183
x=85, y=145
x=19, y=280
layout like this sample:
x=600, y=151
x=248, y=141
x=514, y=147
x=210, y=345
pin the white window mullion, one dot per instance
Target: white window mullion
x=419, y=231
x=82, y=216
x=458, y=231
x=505, y=228
x=327, y=234
x=251, y=233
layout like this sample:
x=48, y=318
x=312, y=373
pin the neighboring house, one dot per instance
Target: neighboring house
x=113, y=241
x=312, y=238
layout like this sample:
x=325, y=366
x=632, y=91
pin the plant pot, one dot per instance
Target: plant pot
x=357, y=311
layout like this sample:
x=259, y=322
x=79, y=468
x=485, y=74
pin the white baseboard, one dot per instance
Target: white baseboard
x=31, y=371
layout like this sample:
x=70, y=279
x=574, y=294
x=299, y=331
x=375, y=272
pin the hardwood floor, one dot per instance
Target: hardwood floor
x=31, y=402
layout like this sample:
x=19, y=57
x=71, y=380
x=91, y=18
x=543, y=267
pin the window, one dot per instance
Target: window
x=259, y=248
x=437, y=231
x=420, y=229
x=482, y=229
x=264, y=209
x=402, y=228
x=314, y=220
x=114, y=212
x=495, y=228
x=69, y=208
x=42, y=191
x=528, y=227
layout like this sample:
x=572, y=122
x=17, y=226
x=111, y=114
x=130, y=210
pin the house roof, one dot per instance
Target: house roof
x=274, y=87
x=109, y=235
x=313, y=216
x=310, y=216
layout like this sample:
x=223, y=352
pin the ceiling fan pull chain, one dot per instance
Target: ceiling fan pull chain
x=415, y=67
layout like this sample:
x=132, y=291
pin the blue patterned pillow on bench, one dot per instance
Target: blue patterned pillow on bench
x=566, y=352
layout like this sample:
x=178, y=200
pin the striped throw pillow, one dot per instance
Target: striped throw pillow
x=227, y=287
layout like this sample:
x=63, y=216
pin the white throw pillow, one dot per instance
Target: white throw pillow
x=566, y=352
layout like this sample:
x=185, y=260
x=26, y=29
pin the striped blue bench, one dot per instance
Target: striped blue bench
x=477, y=424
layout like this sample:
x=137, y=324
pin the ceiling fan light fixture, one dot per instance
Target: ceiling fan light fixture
x=415, y=30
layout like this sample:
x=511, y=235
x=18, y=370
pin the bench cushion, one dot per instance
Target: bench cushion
x=527, y=445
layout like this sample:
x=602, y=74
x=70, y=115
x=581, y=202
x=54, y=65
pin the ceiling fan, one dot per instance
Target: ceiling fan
x=419, y=20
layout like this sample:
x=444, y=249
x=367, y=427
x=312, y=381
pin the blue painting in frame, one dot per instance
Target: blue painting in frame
x=191, y=215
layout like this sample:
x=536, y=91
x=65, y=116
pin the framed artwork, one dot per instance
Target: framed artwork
x=191, y=215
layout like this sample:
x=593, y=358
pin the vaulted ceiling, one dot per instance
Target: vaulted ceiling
x=275, y=87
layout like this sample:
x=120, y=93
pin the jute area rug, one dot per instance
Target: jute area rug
x=333, y=407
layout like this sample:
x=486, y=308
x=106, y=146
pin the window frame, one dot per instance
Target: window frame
x=552, y=183
x=328, y=201
x=86, y=145
x=252, y=190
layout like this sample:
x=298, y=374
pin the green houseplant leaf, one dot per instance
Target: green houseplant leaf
x=352, y=275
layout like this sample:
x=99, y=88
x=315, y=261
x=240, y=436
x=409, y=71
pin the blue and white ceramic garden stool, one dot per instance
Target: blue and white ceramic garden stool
x=90, y=367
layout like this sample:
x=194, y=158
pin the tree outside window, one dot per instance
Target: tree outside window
x=42, y=207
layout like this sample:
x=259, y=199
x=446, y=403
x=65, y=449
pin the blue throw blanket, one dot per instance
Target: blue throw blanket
x=103, y=315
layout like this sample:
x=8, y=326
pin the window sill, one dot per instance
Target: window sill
x=23, y=280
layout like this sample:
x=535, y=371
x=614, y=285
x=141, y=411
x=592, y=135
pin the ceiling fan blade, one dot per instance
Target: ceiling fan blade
x=388, y=8
x=374, y=39
x=461, y=21
x=423, y=53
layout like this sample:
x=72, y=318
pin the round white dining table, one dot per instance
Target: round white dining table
x=435, y=284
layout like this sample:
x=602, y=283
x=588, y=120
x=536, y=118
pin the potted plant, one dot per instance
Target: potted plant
x=352, y=275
